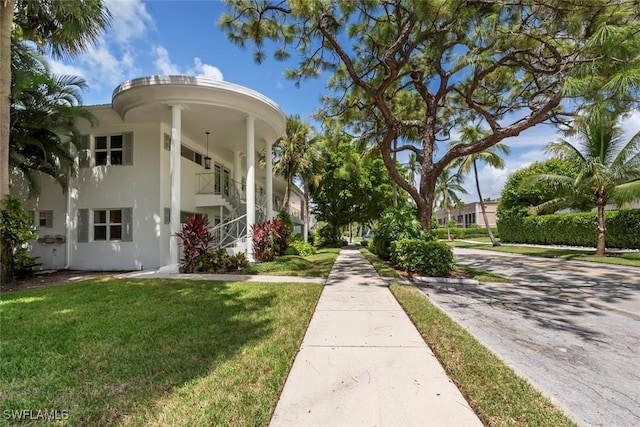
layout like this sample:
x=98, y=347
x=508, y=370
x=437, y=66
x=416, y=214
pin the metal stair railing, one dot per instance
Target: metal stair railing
x=227, y=234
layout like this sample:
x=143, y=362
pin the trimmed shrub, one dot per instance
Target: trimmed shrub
x=299, y=247
x=579, y=229
x=395, y=224
x=424, y=257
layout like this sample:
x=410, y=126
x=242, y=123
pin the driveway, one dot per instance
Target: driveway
x=571, y=328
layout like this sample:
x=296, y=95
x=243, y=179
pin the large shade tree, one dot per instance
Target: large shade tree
x=413, y=71
x=490, y=156
x=58, y=27
x=608, y=167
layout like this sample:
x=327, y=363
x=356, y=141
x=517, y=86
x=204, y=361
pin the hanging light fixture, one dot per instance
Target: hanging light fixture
x=207, y=159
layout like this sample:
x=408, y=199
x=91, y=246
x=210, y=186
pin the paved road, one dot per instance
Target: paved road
x=571, y=328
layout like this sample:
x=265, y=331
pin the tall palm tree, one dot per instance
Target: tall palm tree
x=289, y=153
x=310, y=176
x=448, y=185
x=609, y=169
x=490, y=156
x=61, y=27
x=43, y=112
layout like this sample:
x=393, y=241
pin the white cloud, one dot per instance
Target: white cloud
x=131, y=20
x=205, y=70
x=60, y=68
x=165, y=66
x=163, y=62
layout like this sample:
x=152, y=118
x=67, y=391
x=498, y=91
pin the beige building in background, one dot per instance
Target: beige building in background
x=469, y=214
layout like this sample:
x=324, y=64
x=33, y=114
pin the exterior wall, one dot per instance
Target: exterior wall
x=469, y=214
x=112, y=187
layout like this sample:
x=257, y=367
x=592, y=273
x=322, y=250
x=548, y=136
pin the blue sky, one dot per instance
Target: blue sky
x=181, y=37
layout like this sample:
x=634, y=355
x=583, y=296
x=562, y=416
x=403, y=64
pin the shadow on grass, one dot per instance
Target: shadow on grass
x=99, y=348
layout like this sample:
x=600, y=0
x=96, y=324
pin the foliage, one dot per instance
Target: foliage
x=463, y=233
x=608, y=168
x=351, y=188
x=295, y=153
x=448, y=185
x=395, y=224
x=44, y=111
x=16, y=232
x=325, y=236
x=285, y=217
x=197, y=243
x=413, y=71
x=579, y=229
x=299, y=247
x=517, y=200
x=425, y=257
x=270, y=239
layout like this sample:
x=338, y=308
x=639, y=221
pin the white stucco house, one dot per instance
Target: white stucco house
x=167, y=147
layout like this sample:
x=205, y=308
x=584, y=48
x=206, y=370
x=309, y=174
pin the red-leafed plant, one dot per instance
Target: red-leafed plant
x=270, y=239
x=197, y=243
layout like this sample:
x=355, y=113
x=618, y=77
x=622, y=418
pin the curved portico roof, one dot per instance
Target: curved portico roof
x=207, y=105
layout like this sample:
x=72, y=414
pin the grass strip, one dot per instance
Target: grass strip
x=317, y=265
x=483, y=276
x=151, y=352
x=617, y=258
x=497, y=394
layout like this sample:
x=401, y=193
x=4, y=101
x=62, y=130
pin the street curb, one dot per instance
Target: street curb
x=445, y=280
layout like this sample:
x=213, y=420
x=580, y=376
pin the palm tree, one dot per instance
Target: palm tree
x=310, y=176
x=609, y=169
x=43, y=113
x=289, y=153
x=62, y=27
x=490, y=156
x=448, y=185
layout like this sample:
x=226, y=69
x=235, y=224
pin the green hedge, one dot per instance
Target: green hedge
x=579, y=229
x=420, y=256
x=463, y=233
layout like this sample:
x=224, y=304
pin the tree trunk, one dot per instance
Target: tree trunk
x=600, y=248
x=6, y=22
x=305, y=225
x=448, y=221
x=494, y=242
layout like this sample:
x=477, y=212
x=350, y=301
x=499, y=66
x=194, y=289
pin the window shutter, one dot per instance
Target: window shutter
x=127, y=149
x=84, y=151
x=167, y=142
x=167, y=215
x=83, y=225
x=127, y=224
x=49, y=219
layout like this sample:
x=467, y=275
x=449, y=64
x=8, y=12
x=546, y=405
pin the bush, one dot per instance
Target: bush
x=424, y=257
x=16, y=232
x=299, y=247
x=579, y=229
x=197, y=243
x=325, y=237
x=395, y=224
x=270, y=239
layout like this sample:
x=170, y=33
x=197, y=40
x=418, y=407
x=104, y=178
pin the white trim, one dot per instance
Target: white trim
x=251, y=186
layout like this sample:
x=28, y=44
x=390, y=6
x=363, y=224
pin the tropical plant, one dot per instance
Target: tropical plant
x=270, y=239
x=290, y=153
x=412, y=71
x=448, y=186
x=490, y=156
x=396, y=223
x=60, y=27
x=44, y=111
x=608, y=168
x=197, y=243
x=16, y=231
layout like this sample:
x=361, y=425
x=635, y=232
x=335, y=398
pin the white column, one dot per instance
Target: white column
x=251, y=185
x=237, y=171
x=269, y=179
x=176, y=131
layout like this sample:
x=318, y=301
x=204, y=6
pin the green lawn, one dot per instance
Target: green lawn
x=318, y=265
x=623, y=258
x=152, y=352
x=497, y=394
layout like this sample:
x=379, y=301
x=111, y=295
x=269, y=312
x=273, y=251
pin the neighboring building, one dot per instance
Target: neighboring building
x=167, y=147
x=469, y=214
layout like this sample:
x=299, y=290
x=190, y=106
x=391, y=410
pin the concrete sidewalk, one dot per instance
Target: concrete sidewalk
x=363, y=363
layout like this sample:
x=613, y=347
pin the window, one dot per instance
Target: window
x=185, y=215
x=45, y=219
x=190, y=154
x=108, y=150
x=107, y=224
